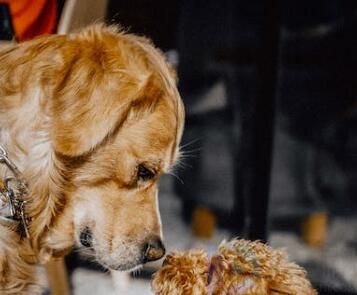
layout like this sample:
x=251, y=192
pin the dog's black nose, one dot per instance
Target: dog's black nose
x=154, y=250
x=86, y=238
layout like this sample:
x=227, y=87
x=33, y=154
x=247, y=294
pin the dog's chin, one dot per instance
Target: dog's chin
x=128, y=268
x=125, y=267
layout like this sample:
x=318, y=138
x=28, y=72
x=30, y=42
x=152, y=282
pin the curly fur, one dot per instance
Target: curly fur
x=182, y=273
x=240, y=267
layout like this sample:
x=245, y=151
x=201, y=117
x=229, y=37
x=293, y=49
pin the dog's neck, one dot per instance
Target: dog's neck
x=24, y=132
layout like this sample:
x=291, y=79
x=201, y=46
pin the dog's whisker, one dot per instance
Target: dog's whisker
x=176, y=176
x=136, y=272
x=185, y=157
x=181, y=166
x=188, y=152
x=190, y=142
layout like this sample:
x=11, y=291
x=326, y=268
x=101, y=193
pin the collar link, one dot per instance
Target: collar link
x=12, y=193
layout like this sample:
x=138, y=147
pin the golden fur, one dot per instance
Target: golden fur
x=78, y=114
x=240, y=268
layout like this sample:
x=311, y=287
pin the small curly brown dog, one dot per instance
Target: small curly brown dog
x=241, y=267
x=91, y=119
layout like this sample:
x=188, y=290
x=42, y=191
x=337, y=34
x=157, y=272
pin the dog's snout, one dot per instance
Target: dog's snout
x=154, y=250
x=86, y=237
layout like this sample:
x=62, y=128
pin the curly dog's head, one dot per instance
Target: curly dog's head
x=240, y=267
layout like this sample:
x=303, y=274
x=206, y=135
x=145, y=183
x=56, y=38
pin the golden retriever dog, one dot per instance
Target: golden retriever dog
x=92, y=120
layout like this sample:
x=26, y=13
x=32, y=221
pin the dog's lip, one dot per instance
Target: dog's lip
x=127, y=269
x=127, y=266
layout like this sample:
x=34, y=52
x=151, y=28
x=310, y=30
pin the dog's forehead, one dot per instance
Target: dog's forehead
x=152, y=137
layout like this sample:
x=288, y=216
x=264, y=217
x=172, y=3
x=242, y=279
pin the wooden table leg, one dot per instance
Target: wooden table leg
x=57, y=277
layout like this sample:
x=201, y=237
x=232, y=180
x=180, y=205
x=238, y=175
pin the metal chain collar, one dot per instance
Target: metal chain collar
x=12, y=193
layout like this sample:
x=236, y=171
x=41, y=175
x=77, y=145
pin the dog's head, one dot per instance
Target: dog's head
x=114, y=120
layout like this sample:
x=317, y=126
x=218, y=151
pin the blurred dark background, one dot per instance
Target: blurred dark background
x=226, y=42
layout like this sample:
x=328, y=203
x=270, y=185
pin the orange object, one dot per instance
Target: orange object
x=203, y=223
x=32, y=17
x=314, y=229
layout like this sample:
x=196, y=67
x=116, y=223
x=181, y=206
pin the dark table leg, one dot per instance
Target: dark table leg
x=256, y=140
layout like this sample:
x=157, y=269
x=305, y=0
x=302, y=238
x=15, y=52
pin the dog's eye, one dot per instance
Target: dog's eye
x=144, y=173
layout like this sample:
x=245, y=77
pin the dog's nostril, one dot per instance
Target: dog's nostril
x=86, y=238
x=154, y=250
